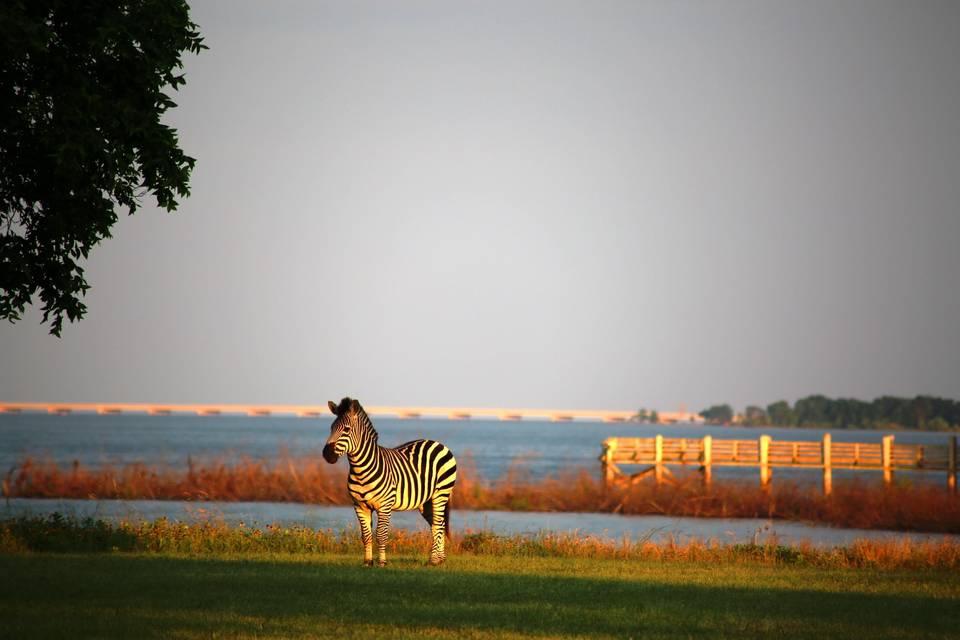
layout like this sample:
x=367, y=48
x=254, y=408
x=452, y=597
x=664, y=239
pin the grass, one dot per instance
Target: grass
x=67, y=535
x=260, y=595
x=62, y=577
x=903, y=506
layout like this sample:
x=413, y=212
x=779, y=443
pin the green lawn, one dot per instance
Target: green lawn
x=156, y=595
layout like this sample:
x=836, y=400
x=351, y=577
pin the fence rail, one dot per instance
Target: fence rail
x=886, y=456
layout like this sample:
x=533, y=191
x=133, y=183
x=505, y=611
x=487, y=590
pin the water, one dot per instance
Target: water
x=539, y=448
x=603, y=525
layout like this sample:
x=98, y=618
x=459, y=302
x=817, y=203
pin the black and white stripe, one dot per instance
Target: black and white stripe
x=416, y=475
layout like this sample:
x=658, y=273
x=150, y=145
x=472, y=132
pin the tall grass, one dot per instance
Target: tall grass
x=286, y=479
x=57, y=533
x=854, y=503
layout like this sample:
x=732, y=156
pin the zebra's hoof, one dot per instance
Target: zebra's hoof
x=435, y=562
x=382, y=563
x=368, y=563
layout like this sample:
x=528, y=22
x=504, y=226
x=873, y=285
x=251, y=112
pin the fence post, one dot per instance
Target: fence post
x=827, y=470
x=886, y=455
x=707, y=460
x=764, y=461
x=609, y=446
x=658, y=458
x=952, y=464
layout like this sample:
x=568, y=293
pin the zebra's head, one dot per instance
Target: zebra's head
x=348, y=431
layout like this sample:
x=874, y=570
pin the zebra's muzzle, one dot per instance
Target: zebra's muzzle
x=329, y=455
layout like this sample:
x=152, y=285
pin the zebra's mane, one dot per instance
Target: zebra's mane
x=344, y=405
x=362, y=418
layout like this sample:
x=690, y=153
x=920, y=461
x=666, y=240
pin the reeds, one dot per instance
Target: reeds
x=284, y=480
x=853, y=504
x=903, y=506
x=57, y=533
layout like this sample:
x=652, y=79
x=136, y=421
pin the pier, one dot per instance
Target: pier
x=765, y=453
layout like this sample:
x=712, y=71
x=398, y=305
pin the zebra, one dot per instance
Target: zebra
x=415, y=475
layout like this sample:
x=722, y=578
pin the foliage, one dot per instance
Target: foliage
x=643, y=415
x=718, y=414
x=781, y=413
x=755, y=416
x=887, y=412
x=81, y=100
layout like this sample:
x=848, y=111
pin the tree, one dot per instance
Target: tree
x=850, y=412
x=654, y=417
x=718, y=414
x=813, y=410
x=781, y=414
x=886, y=412
x=755, y=416
x=938, y=424
x=81, y=99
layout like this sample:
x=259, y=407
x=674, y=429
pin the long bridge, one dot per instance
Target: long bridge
x=309, y=411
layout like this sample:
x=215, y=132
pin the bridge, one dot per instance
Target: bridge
x=312, y=411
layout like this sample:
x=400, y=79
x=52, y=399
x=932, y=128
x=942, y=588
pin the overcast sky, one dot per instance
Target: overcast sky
x=539, y=204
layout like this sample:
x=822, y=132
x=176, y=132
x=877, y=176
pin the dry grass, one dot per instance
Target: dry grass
x=285, y=480
x=857, y=504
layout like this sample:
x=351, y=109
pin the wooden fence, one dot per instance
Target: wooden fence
x=766, y=453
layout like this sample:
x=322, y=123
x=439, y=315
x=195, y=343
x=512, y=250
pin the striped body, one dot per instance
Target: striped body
x=405, y=477
x=415, y=475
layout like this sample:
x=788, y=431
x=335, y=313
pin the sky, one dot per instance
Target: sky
x=538, y=204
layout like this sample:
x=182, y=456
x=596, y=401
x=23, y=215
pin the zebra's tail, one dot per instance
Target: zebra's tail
x=446, y=520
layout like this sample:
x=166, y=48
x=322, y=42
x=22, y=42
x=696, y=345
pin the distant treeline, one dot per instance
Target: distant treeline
x=928, y=413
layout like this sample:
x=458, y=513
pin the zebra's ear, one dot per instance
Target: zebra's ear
x=333, y=407
x=354, y=406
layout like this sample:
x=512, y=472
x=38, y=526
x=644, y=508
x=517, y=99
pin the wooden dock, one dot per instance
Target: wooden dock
x=767, y=453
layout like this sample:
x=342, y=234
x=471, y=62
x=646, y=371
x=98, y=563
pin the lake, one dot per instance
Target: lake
x=607, y=526
x=540, y=448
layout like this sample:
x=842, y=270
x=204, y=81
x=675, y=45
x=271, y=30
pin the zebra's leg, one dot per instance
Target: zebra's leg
x=383, y=531
x=366, y=532
x=437, y=528
x=426, y=510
